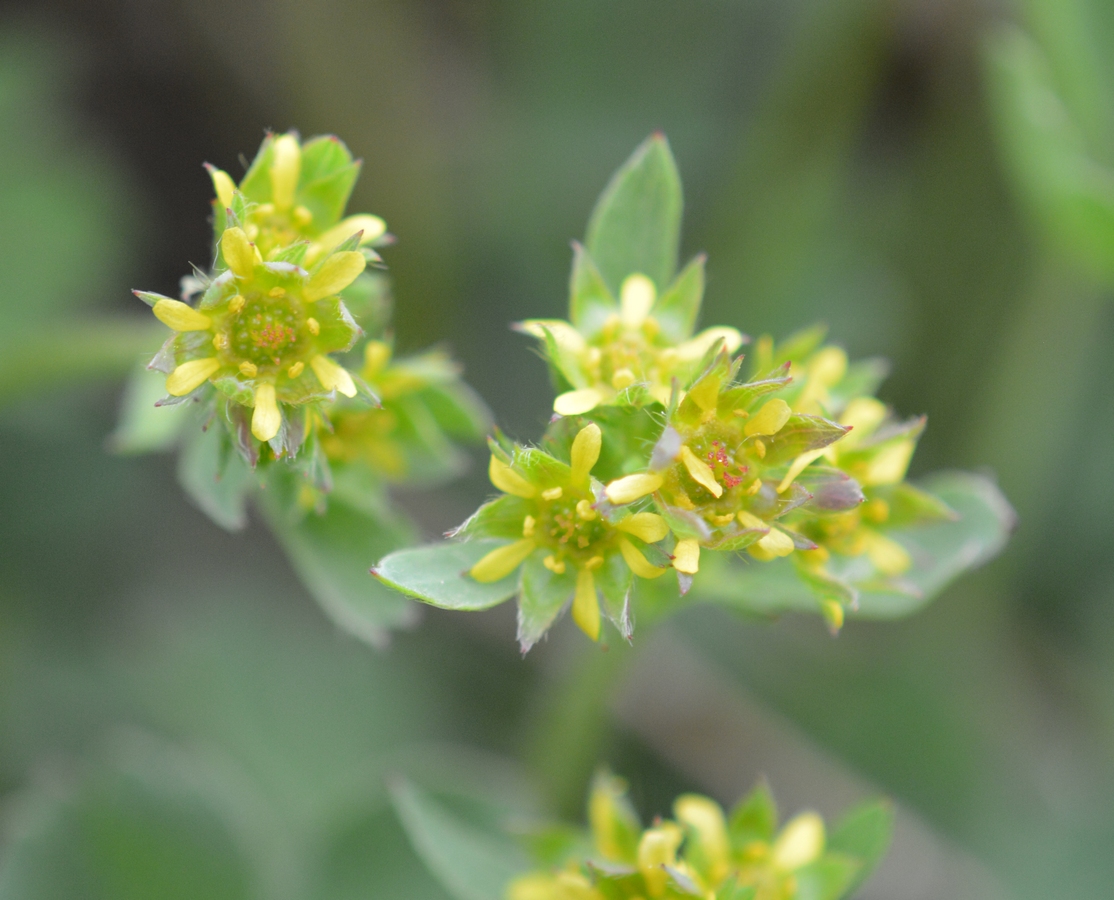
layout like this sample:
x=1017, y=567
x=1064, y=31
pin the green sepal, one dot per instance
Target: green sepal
x=798, y=347
x=864, y=834
x=636, y=224
x=615, y=824
x=614, y=581
x=542, y=596
x=677, y=309
x=339, y=331
x=368, y=298
x=539, y=468
x=828, y=878
x=565, y=371
x=150, y=297
x=799, y=435
x=215, y=475
x=591, y=304
x=754, y=817
x=655, y=555
x=330, y=550
x=144, y=426
x=437, y=574
x=744, y=396
x=294, y=254
x=256, y=183
x=716, y=370
x=498, y=518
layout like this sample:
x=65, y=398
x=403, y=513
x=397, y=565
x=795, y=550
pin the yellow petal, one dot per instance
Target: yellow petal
x=694, y=348
x=828, y=366
x=704, y=816
x=776, y=542
x=585, y=452
x=508, y=480
x=376, y=356
x=181, y=316
x=686, y=556
x=335, y=274
x=770, y=419
x=190, y=375
x=266, y=420
x=864, y=415
x=890, y=463
x=700, y=471
x=833, y=614
x=333, y=377
x=656, y=850
x=801, y=841
x=501, y=561
x=636, y=562
x=286, y=167
x=585, y=605
x=631, y=487
x=636, y=299
x=372, y=227
x=750, y=520
x=888, y=556
x=238, y=252
x=575, y=403
x=564, y=335
x=647, y=526
x=223, y=185
x=799, y=465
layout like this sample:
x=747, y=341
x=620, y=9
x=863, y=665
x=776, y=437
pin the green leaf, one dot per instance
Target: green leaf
x=213, y=473
x=754, y=818
x=331, y=553
x=678, y=308
x=941, y=552
x=438, y=574
x=543, y=595
x=614, y=580
x=471, y=859
x=864, y=834
x=636, y=225
x=143, y=426
x=590, y=302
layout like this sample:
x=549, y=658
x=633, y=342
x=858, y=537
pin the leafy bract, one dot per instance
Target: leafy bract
x=438, y=574
x=636, y=224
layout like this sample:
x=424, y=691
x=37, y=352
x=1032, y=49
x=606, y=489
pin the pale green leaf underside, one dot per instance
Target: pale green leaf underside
x=438, y=574
x=941, y=553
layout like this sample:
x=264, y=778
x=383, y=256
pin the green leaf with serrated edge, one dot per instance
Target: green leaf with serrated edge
x=799, y=435
x=437, y=574
x=754, y=818
x=471, y=859
x=941, y=552
x=215, y=476
x=498, y=518
x=591, y=304
x=542, y=596
x=636, y=224
x=331, y=553
x=614, y=580
x=143, y=426
x=678, y=307
x=864, y=834
x=828, y=878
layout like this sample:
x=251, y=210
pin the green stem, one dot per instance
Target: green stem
x=57, y=354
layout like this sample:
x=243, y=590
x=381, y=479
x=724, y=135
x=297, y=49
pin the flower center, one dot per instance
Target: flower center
x=563, y=527
x=267, y=331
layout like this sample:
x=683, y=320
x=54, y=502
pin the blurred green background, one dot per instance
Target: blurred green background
x=871, y=164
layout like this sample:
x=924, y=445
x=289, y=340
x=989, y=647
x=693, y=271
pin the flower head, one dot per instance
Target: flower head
x=623, y=354
x=700, y=852
x=262, y=333
x=295, y=192
x=568, y=540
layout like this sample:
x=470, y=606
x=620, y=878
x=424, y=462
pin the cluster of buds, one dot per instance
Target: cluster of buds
x=260, y=336
x=700, y=853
